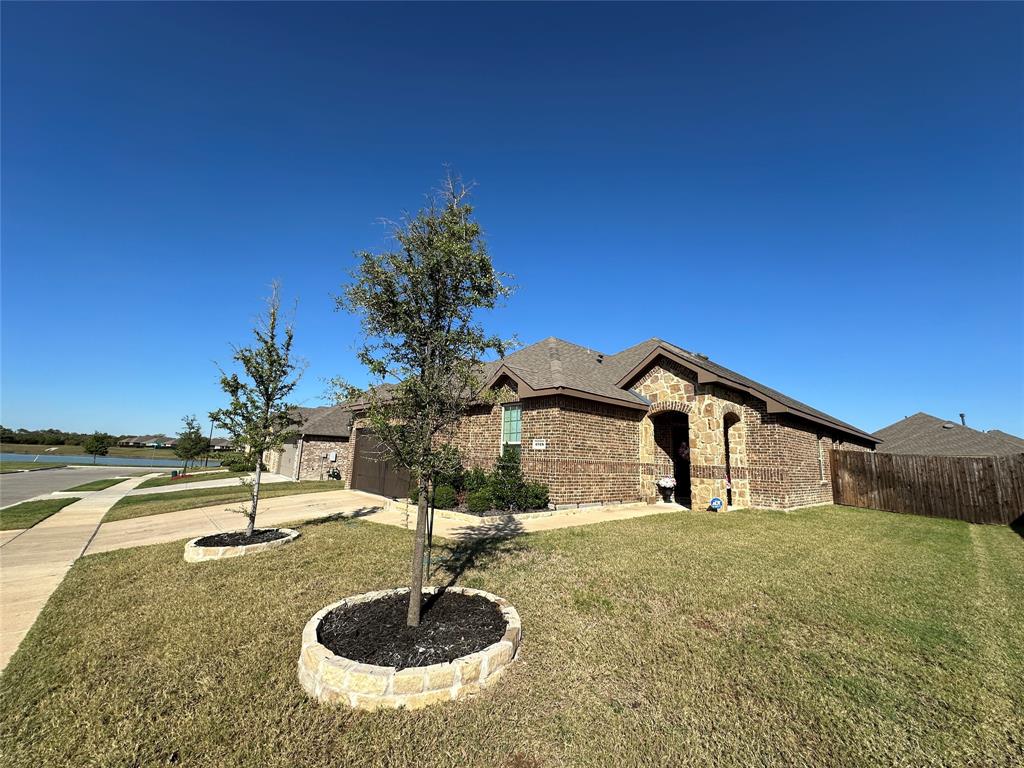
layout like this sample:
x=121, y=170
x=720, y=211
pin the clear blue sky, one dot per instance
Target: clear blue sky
x=826, y=198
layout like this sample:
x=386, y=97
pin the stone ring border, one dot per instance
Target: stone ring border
x=334, y=679
x=196, y=554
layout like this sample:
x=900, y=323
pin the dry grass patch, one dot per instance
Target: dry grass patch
x=823, y=637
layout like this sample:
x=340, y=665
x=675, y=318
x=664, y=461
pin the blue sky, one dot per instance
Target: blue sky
x=826, y=198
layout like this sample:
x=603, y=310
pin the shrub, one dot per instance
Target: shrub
x=475, y=479
x=536, y=496
x=508, y=488
x=479, y=501
x=238, y=462
x=414, y=494
x=445, y=497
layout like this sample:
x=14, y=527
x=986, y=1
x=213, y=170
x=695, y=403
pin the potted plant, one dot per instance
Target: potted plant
x=666, y=486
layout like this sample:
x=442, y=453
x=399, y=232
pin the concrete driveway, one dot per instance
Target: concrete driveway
x=19, y=486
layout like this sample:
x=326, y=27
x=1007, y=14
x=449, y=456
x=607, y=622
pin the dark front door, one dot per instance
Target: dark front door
x=681, y=462
x=372, y=473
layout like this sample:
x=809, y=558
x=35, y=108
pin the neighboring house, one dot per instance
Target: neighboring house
x=221, y=444
x=599, y=429
x=926, y=435
x=321, y=448
x=147, y=441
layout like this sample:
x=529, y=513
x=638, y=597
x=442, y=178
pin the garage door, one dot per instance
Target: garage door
x=372, y=473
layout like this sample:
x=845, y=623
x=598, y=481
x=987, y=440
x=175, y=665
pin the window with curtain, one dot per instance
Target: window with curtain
x=511, y=424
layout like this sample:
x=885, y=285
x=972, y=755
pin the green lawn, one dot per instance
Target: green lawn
x=98, y=485
x=191, y=477
x=824, y=637
x=157, y=503
x=18, y=466
x=28, y=513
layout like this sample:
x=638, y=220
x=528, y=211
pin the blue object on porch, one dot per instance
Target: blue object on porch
x=716, y=504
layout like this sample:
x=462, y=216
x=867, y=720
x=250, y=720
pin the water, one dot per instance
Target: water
x=116, y=461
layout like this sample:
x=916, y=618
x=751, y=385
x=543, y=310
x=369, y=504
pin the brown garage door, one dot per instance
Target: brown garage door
x=372, y=473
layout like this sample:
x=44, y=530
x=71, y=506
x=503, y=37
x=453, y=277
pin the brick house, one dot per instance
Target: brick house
x=599, y=429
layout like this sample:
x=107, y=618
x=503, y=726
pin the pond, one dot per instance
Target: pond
x=115, y=461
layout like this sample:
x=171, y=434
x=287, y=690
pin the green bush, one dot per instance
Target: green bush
x=507, y=483
x=414, y=494
x=445, y=497
x=475, y=479
x=479, y=501
x=238, y=462
x=536, y=496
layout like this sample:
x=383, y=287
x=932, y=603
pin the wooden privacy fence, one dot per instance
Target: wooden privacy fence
x=978, y=490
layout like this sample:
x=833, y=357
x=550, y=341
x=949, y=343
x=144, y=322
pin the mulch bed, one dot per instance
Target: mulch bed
x=239, y=539
x=451, y=625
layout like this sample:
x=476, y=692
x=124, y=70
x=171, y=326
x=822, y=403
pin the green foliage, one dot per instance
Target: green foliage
x=479, y=501
x=474, y=479
x=98, y=444
x=236, y=461
x=536, y=496
x=41, y=436
x=192, y=443
x=259, y=415
x=507, y=483
x=418, y=306
x=445, y=497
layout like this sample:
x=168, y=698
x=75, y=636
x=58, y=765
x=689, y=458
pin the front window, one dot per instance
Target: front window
x=511, y=424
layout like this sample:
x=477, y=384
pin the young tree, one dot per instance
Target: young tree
x=259, y=416
x=97, y=444
x=417, y=305
x=192, y=443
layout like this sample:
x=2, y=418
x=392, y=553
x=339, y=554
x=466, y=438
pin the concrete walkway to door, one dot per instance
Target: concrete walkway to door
x=189, y=523
x=34, y=562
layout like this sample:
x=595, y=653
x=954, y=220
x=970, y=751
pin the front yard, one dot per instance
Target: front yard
x=822, y=637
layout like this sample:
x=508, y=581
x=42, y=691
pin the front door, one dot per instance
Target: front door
x=681, y=463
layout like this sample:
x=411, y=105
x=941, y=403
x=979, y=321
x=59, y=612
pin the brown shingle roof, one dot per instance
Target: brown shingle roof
x=926, y=435
x=325, y=421
x=555, y=364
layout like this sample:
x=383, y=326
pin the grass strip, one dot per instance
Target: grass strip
x=147, y=504
x=28, y=513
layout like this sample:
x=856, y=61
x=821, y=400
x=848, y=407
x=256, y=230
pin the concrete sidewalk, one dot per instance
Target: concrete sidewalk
x=174, y=526
x=35, y=561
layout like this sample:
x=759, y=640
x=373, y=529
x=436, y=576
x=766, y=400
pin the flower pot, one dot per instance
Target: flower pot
x=666, y=494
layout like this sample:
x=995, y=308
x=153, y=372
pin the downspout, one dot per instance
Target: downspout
x=298, y=460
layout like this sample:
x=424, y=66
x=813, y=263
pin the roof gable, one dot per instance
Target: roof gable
x=554, y=365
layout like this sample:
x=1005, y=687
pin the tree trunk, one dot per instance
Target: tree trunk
x=255, y=499
x=94, y=458
x=416, y=582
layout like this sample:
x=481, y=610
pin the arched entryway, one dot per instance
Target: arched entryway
x=671, y=451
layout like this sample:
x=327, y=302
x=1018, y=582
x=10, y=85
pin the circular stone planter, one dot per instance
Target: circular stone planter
x=197, y=554
x=331, y=679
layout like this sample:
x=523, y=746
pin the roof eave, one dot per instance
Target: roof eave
x=705, y=376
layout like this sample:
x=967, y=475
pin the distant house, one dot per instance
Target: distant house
x=147, y=441
x=926, y=435
x=221, y=444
